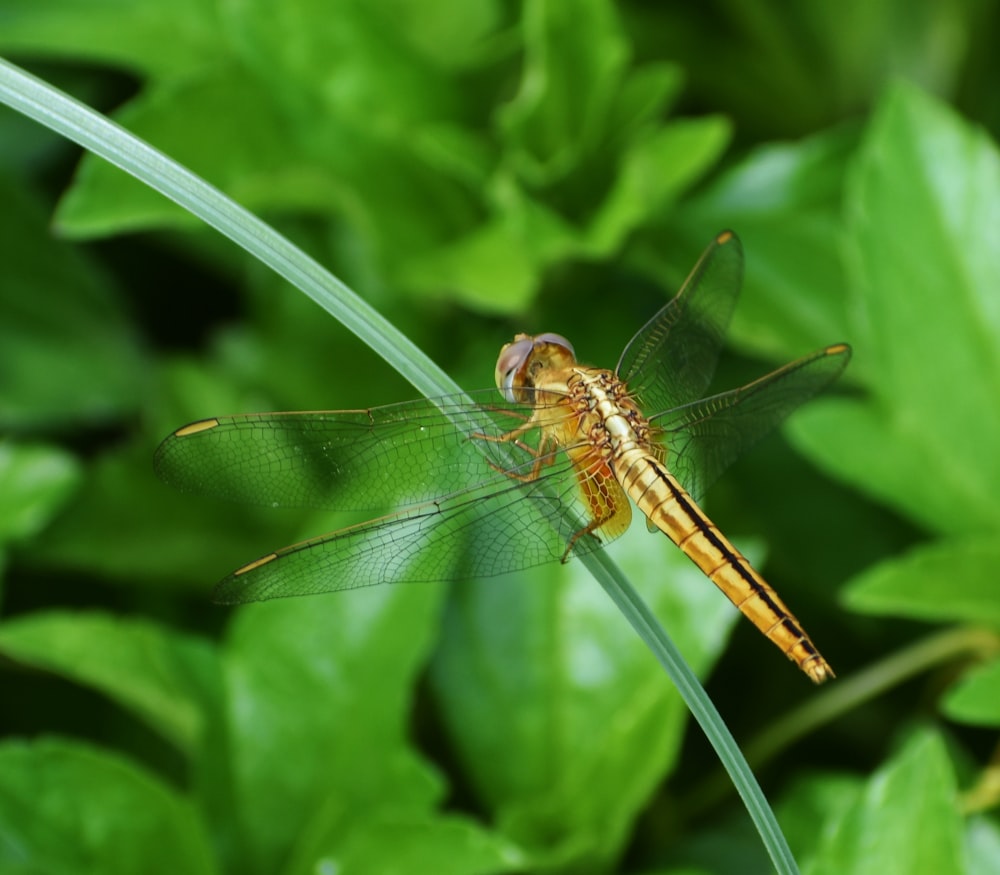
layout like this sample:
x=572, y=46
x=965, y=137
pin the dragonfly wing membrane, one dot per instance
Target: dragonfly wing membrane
x=704, y=438
x=671, y=359
x=352, y=459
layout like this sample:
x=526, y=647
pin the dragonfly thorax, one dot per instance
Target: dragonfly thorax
x=607, y=410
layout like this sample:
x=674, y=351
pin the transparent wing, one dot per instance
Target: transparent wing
x=346, y=459
x=703, y=438
x=672, y=358
x=465, y=512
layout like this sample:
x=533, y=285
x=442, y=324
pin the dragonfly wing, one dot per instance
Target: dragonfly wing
x=350, y=459
x=499, y=526
x=703, y=438
x=607, y=504
x=672, y=358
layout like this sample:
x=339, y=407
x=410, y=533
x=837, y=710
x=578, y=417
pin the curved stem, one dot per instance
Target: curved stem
x=847, y=694
x=867, y=684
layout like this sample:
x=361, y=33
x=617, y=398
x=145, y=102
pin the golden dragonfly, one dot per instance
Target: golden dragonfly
x=479, y=485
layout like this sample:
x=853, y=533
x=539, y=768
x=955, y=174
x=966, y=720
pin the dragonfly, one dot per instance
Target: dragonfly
x=487, y=483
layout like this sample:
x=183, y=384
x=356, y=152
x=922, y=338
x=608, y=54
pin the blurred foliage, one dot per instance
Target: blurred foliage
x=474, y=170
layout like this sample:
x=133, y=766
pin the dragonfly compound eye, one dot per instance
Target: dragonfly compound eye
x=556, y=339
x=511, y=366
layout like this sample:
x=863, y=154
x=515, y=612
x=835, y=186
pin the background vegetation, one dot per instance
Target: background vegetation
x=474, y=170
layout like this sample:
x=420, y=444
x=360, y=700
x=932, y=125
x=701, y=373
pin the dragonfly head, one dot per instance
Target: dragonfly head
x=525, y=357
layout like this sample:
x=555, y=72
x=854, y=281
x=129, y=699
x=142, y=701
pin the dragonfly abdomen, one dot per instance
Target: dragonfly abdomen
x=674, y=512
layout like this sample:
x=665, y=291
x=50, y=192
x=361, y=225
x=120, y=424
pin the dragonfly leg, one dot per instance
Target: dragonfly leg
x=508, y=437
x=543, y=455
x=586, y=530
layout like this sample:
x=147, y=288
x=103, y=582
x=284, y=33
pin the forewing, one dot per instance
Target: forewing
x=672, y=358
x=703, y=438
x=349, y=459
x=470, y=506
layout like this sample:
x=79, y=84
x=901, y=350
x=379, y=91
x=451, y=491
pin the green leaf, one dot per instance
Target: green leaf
x=975, y=698
x=815, y=799
x=129, y=527
x=530, y=665
x=247, y=156
x=582, y=137
x=318, y=694
x=35, y=482
x=905, y=821
x=489, y=270
x=373, y=66
x=375, y=843
x=67, y=808
x=950, y=579
x=575, y=59
x=67, y=356
x=498, y=266
x=654, y=170
x=165, y=677
x=150, y=35
x=382, y=59
x=923, y=233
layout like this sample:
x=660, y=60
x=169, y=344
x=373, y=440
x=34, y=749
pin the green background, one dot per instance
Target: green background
x=473, y=170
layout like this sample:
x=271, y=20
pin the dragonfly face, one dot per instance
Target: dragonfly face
x=493, y=486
